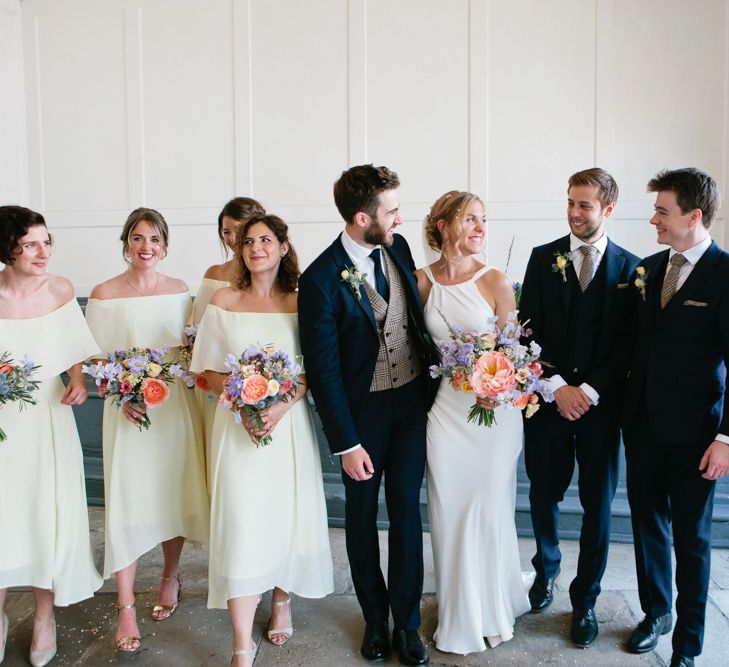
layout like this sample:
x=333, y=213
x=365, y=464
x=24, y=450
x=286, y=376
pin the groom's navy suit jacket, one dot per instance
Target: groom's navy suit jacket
x=681, y=352
x=547, y=301
x=340, y=341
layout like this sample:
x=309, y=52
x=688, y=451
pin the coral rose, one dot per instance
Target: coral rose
x=255, y=388
x=522, y=401
x=154, y=392
x=6, y=368
x=492, y=375
x=202, y=383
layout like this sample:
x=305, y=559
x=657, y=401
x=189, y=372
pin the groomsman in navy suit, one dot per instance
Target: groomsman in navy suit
x=676, y=418
x=367, y=358
x=576, y=298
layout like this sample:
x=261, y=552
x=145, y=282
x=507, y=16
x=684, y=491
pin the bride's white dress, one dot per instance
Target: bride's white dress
x=471, y=496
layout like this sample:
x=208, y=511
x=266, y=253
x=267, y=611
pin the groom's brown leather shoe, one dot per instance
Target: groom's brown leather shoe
x=376, y=643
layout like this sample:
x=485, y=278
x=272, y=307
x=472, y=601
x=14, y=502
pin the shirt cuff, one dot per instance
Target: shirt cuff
x=591, y=393
x=722, y=438
x=351, y=449
x=556, y=382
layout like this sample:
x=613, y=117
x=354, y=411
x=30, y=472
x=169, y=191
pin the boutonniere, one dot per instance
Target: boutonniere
x=354, y=278
x=641, y=280
x=562, y=261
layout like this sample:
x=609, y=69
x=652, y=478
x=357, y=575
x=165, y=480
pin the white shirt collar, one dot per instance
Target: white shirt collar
x=694, y=254
x=600, y=245
x=356, y=252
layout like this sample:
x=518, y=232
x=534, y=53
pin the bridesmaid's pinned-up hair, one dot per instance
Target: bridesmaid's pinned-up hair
x=14, y=224
x=241, y=209
x=288, y=269
x=149, y=215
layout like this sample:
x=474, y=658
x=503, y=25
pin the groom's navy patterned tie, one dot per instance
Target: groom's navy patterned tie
x=380, y=280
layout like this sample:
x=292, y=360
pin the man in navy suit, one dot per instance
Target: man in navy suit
x=576, y=298
x=366, y=358
x=676, y=418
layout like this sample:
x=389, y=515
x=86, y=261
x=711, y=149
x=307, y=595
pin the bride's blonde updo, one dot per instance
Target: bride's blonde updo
x=451, y=207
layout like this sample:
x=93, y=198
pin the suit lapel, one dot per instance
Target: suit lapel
x=702, y=272
x=342, y=259
x=614, y=263
x=563, y=246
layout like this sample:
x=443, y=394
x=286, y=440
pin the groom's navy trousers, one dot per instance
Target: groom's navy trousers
x=392, y=427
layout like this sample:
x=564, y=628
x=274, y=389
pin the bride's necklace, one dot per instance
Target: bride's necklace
x=152, y=293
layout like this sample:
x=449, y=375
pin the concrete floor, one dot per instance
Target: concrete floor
x=328, y=632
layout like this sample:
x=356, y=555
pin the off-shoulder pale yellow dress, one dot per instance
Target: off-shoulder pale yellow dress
x=206, y=400
x=44, y=525
x=154, y=480
x=268, y=515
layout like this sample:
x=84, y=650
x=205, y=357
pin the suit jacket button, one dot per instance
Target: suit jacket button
x=393, y=365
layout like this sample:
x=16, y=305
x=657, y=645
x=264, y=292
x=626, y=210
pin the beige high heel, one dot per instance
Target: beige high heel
x=5, y=636
x=245, y=651
x=132, y=638
x=42, y=658
x=286, y=632
x=168, y=609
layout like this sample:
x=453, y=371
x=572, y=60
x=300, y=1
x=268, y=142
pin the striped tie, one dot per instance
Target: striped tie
x=588, y=265
x=671, y=279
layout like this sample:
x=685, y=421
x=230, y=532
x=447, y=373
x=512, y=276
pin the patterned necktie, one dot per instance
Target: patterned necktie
x=380, y=280
x=588, y=265
x=671, y=280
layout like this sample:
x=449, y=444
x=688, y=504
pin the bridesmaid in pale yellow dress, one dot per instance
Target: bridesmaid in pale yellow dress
x=154, y=480
x=43, y=515
x=236, y=212
x=281, y=543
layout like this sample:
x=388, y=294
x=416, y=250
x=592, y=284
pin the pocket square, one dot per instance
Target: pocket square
x=700, y=304
x=623, y=285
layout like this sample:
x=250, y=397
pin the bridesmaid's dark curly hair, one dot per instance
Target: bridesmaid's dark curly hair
x=288, y=269
x=14, y=224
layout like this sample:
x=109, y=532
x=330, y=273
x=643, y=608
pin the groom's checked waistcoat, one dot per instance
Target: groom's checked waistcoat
x=397, y=359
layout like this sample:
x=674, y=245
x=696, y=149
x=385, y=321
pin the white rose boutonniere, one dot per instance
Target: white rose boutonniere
x=354, y=278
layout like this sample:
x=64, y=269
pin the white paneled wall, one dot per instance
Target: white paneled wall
x=182, y=104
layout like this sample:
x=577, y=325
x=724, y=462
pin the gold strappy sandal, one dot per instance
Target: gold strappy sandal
x=168, y=609
x=285, y=632
x=132, y=638
x=245, y=651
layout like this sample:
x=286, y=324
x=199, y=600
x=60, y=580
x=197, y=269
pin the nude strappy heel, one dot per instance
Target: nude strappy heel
x=286, y=632
x=130, y=639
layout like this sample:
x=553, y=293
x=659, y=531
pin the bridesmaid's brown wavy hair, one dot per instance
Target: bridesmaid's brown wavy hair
x=288, y=269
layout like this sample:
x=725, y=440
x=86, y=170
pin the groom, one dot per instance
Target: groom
x=360, y=320
x=576, y=297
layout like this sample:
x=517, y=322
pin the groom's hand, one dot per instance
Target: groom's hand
x=572, y=402
x=715, y=461
x=358, y=465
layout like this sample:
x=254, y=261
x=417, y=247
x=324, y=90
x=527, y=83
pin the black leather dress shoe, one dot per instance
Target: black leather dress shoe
x=541, y=593
x=376, y=643
x=645, y=636
x=410, y=647
x=678, y=660
x=584, y=627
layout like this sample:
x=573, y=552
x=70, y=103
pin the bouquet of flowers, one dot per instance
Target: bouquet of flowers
x=16, y=383
x=181, y=369
x=260, y=377
x=139, y=375
x=494, y=365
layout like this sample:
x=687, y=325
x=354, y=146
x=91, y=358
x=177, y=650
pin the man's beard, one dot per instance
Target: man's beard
x=375, y=235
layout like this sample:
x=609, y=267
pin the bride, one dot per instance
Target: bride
x=471, y=469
